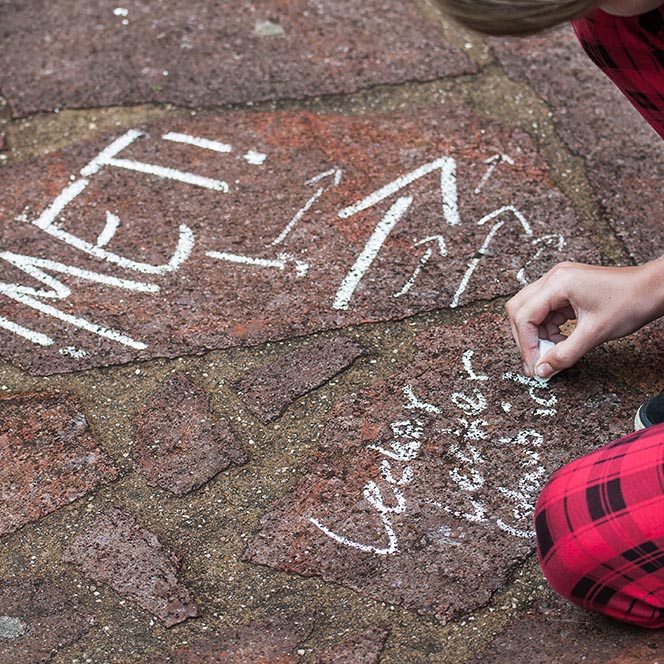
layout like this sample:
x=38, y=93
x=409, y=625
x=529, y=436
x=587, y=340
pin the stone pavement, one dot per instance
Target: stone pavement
x=259, y=400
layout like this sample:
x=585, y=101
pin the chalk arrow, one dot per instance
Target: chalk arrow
x=337, y=173
x=370, y=251
x=448, y=190
x=442, y=249
x=555, y=240
x=484, y=249
x=449, y=196
x=282, y=260
x=492, y=162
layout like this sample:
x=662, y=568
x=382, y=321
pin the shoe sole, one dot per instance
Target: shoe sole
x=640, y=420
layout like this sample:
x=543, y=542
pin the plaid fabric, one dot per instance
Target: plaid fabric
x=600, y=529
x=630, y=51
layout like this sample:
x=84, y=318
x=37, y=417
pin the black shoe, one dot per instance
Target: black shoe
x=650, y=413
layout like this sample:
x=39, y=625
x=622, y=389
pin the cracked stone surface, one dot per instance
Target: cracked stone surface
x=79, y=55
x=201, y=205
x=269, y=390
x=180, y=444
x=424, y=485
x=274, y=640
x=317, y=232
x=48, y=457
x=114, y=549
x=37, y=618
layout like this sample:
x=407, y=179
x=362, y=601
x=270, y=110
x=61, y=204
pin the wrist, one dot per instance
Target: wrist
x=651, y=287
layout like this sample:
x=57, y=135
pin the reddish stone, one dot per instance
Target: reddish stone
x=116, y=550
x=314, y=257
x=271, y=641
x=624, y=155
x=48, y=457
x=424, y=485
x=66, y=54
x=269, y=390
x=180, y=444
x=37, y=619
x=3, y=143
x=554, y=631
x=363, y=648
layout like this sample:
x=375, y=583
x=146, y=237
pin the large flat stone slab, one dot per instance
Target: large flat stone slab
x=624, y=154
x=423, y=489
x=269, y=390
x=48, y=458
x=68, y=54
x=214, y=231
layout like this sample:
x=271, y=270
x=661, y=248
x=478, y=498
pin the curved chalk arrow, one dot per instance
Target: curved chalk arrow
x=442, y=249
x=555, y=240
x=484, y=249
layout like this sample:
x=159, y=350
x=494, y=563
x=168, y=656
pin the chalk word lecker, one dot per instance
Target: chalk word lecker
x=387, y=495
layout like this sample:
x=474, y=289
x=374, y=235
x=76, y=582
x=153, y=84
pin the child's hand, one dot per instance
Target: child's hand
x=606, y=302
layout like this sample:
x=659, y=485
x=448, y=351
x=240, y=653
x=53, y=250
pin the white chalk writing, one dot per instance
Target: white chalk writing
x=470, y=446
x=433, y=249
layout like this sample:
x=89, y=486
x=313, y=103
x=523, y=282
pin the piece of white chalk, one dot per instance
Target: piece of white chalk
x=543, y=345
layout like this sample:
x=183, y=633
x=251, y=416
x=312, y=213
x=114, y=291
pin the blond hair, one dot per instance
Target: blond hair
x=514, y=17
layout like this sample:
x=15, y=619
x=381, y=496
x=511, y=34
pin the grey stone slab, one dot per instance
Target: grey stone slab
x=114, y=549
x=73, y=54
x=424, y=485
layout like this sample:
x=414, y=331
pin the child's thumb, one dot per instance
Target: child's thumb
x=563, y=355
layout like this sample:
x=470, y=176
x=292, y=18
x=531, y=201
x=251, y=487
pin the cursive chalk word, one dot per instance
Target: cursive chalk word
x=469, y=444
x=402, y=449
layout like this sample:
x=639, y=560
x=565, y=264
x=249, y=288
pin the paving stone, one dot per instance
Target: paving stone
x=81, y=55
x=555, y=631
x=274, y=641
x=37, y=618
x=270, y=389
x=179, y=443
x=363, y=648
x=327, y=222
x=116, y=550
x=423, y=488
x=48, y=457
x=624, y=155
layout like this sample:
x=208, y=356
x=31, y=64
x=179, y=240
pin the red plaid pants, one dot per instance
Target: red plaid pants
x=600, y=520
x=600, y=529
x=630, y=51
